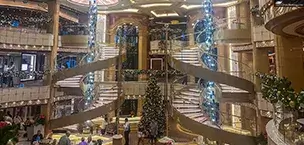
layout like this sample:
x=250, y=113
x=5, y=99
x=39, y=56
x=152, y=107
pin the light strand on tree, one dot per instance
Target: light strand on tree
x=89, y=93
x=207, y=45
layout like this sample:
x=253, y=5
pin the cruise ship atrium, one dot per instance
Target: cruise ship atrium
x=159, y=72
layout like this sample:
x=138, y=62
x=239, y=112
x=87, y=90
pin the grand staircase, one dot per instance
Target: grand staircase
x=106, y=96
x=187, y=102
x=190, y=57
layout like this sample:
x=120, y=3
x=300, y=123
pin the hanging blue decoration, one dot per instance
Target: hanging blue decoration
x=89, y=93
x=205, y=41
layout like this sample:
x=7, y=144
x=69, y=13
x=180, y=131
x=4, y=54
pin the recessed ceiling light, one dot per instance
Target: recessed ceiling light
x=156, y=5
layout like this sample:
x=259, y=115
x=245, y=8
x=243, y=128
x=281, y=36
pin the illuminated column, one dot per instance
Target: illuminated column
x=209, y=58
x=89, y=91
x=289, y=60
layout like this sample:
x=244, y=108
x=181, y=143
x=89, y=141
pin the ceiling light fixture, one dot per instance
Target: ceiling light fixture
x=225, y=4
x=164, y=15
x=156, y=5
x=119, y=11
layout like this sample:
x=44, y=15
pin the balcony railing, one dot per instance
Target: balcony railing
x=39, y=40
x=20, y=36
x=12, y=97
x=269, y=11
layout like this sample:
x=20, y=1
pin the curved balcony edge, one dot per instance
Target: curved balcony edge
x=84, y=69
x=233, y=36
x=207, y=74
x=74, y=40
x=273, y=135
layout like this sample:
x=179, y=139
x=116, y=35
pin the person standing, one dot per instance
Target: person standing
x=83, y=142
x=127, y=131
x=65, y=140
x=104, y=126
x=90, y=140
x=153, y=132
x=141, y=135
x=11, y=70
x=5, y=73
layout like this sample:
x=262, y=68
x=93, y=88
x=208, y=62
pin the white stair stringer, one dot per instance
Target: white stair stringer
x=191, y=56
x=188, y=103
x=106, y=95
x=74, y=82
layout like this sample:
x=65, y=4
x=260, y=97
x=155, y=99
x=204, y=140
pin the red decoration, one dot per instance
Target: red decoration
x=3, y=124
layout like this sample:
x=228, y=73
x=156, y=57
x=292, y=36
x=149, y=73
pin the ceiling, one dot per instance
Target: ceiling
x=154, y=8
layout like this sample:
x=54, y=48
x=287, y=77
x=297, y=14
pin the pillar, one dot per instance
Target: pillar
x=260, y=64
x=143, y=50
x=101, y=28
x=248, y=118
x=140, y=105
x=245, y=65
x=243, y=15
x=289, y=60
x=53, y=9
x=224, y=66
x=223, y=57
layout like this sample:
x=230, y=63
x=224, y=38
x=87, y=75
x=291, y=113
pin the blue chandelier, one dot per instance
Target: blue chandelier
x=89, y=91
x=209, y=58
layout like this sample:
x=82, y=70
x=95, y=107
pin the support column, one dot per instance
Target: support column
x=142, y=50
x=223, y=55
x=53, y=8
x=101, y=27
x=245, y=65
x=248, y=118
x=260, y=64
x=289, y=60
x=140, y=105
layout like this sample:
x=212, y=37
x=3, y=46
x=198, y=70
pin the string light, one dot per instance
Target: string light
x=89, y=93
x=206, y=43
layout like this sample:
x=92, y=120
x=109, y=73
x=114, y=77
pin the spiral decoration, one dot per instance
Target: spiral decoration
x=209, y=58
x=89, y=93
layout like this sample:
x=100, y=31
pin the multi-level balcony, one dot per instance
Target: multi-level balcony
x=284, y=21
x=38, y=40
x=233, y=30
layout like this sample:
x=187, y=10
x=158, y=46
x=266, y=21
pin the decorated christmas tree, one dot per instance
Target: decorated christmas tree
x=153, y=108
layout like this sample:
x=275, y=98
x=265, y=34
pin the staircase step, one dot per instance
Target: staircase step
x=180, y=101
x=188, y=93
x=201, y=119
x=185, y=106
x=189, y=98
x=195, y=115
x=187, y=111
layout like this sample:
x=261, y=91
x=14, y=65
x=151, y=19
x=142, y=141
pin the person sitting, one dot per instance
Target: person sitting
x=37, y=137
x=83, y=142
